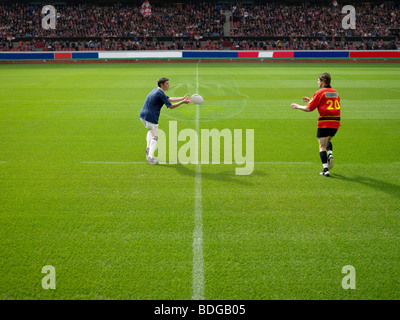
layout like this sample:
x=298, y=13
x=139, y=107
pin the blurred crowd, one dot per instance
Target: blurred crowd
x=274, y=19
x=86, y=20
x=198, y=26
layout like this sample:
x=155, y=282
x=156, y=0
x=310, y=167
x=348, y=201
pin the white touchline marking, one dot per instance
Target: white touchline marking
x=283, y=162
x=198, y=261
x=199, y=162
x=114, y=162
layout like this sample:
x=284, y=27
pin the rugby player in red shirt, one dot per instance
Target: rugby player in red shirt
x=327, y=100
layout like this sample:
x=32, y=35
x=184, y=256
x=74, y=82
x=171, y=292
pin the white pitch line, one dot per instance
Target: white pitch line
x=198, y=260
x=114, y=162
x=197, y=164
x=257, y=162
x=282, y=162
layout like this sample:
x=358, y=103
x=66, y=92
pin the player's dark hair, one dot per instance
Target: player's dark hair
x=326, y=77
x=160, y=81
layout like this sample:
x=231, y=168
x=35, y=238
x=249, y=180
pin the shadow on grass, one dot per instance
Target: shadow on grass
x=222, y=176
x=386, y=187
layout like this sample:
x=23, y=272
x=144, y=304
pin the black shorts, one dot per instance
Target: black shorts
x=326, y=132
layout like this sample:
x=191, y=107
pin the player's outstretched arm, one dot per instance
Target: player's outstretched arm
x=297, y=106
x=175, y=99
x=186, y=100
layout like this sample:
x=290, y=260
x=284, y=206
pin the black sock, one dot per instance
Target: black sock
x=329, y=148
x=324, y=159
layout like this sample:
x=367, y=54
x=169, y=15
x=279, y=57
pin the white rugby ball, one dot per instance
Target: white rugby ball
x=197, y=99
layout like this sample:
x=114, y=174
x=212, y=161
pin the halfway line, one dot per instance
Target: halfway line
x=198, y=261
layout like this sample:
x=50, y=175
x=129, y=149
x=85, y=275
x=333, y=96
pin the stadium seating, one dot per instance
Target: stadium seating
x=202, y=26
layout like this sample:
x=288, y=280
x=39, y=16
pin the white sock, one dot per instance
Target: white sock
x=329, y=152
x=325, y=165
x=153, y=144
x=148, y=138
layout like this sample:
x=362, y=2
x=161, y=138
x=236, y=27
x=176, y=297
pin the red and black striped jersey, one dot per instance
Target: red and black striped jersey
x=327, y=101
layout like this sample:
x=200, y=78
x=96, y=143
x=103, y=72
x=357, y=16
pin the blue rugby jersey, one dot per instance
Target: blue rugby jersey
x=153, y=104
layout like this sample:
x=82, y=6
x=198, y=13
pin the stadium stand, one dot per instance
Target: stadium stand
x=274, y=19
x=199, y=26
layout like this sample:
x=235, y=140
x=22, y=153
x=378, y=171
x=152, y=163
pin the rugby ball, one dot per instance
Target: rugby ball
x=197, y=99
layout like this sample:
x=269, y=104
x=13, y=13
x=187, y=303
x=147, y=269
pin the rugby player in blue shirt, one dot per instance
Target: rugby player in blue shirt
x=151, y=112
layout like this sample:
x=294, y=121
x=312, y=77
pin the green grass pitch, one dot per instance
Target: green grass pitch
x=76, y=193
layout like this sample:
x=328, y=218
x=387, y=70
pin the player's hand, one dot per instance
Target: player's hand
x=306, y=99
x=187, y=99
x=295, y=106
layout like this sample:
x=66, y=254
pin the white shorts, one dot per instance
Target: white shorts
x=149, y=125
